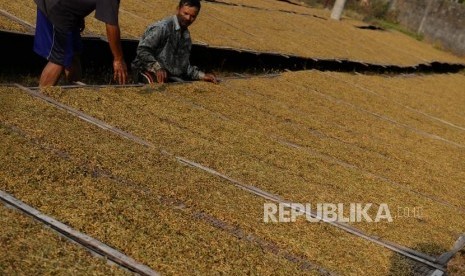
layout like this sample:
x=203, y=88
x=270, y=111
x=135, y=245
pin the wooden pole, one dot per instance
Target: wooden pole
x=337, y=9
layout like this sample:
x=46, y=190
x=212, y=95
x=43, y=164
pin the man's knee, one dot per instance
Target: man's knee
x=146, y=77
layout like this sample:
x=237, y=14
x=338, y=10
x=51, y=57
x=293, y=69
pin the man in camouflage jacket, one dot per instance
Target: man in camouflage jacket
x=164, y=49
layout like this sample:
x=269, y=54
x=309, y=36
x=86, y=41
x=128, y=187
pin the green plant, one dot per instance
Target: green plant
x=387, y=24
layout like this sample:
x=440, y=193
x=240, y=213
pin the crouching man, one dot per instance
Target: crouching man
x=164, y=49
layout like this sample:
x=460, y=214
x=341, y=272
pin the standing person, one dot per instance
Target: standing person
x=164, y=49
x=57, y=38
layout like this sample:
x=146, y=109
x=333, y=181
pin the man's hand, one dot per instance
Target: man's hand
x=120, y=71
x=162, y=75
x=211, y=78
x=119, y=66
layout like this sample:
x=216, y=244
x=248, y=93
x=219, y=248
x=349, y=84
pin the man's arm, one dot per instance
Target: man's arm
x=119, y=66
x=150, y=42
x=153, y=39
x=195, y=74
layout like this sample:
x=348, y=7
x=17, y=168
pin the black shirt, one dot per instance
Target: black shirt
x=67, y=14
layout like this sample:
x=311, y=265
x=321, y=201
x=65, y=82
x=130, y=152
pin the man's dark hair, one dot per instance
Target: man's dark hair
x=190, y=3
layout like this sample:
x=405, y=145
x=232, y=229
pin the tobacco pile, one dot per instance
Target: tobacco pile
x=28, y=248
x=272, y=5
x=10, y=25
x=456, y=266
x=239, y=127
x=25, y=10
x=69, y=175
x=263, y=30
x=64, y=176
x=440, y=96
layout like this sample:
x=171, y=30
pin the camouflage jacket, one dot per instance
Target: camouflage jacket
x=165, y=45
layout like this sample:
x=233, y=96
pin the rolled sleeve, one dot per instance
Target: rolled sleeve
x=194, y=73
